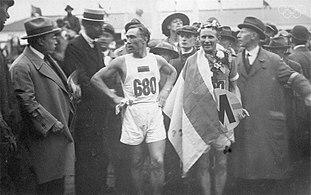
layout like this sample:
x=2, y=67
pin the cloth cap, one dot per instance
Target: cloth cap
x=188, y=29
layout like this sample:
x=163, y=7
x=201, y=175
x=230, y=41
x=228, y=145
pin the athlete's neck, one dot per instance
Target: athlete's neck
x=140, y=54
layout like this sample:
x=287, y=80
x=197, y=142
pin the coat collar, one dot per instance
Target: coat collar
x=259, y=63
x=44, y=68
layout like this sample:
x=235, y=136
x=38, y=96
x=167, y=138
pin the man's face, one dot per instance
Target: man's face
x=225, y=42
x=245, y=37
x=49, y=43
x=208, y=40
x=105, y=39
x=135, y=41
x=186, y=40
x=94, y=30
x=4, y=15
x=269, y=32
x=175, y=23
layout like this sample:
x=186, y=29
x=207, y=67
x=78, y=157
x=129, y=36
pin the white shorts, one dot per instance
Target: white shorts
x=223, y=140
x=142, y=121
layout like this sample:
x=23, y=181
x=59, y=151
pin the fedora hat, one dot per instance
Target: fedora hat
x=254, y=24
x=227, y=32
x=188, y=29
x=68, y=7
x=300, y=33
x=39, y=26
x=184, y=18
x=95, y=15
x=278, y=43
x=164, y=46
x=271, y=27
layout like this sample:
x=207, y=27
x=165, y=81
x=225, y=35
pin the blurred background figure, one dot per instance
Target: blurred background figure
x=106, y=40
x=73, y=21
x=169, y=26
x=227, y=39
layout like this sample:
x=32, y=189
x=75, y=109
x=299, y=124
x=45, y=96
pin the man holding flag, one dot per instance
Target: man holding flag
x=195, y=130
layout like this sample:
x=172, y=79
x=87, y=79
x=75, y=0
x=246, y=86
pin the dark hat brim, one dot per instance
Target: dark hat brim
x=172, y=53
x=262, y=35
x=56, y=30
x=184, y=18
x=187, y=31
x=276, y=47
x=228, y=36
x=306, y=39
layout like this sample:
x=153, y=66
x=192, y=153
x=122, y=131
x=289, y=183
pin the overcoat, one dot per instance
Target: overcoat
x=261, y=147
x=44, y=99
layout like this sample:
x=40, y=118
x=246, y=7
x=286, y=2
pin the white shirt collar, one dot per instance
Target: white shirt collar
x=88, y=39
x=297, y=46
x=252, y=54
x=38, y=53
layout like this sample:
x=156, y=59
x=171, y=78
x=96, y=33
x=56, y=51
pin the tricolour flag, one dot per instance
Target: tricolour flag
x=193, y=111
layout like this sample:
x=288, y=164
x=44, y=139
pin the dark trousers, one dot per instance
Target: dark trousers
x=55, y=187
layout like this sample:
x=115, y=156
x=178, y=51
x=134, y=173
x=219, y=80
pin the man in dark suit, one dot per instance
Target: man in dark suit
x=83, y=54
x=260, y=153
x=299, y=37
x=41, y=88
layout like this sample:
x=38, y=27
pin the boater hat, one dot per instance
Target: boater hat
x=39, y=26
x=171, y=17
x=254, y=24
x=95, y=15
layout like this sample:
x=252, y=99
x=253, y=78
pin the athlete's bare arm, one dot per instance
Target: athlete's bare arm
x=170, y=71
x=116, y=65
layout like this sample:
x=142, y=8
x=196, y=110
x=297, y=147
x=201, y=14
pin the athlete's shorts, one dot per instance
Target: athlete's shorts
x=223, y=140
x=142, y=121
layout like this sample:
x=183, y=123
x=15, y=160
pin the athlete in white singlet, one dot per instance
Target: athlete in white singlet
x=142, y=119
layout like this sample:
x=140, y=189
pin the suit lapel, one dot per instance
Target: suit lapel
x=242, y=66
x=44, y=68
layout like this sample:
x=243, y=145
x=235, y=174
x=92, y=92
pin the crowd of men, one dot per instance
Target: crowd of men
x=80, y=116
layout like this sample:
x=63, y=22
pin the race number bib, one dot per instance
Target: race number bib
x=229, y=107
x=145, y=86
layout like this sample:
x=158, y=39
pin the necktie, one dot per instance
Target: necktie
x=247, y=63
x=56, y=69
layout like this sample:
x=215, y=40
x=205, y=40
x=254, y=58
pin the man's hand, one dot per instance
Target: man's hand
x=308, y=100
x=243, y=114
x=58, y=127
x=117, y=99
x=162, y=97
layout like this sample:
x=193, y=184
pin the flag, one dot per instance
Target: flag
x=193, y=112
x=35, y=11
x=266, y=5
x=101, y=7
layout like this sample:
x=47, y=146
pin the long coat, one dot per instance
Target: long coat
x=44, y=100
x=261, y=148
x=90, y=127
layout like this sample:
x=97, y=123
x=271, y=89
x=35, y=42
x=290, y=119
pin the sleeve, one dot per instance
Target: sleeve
x=74, y=60
x=296, y=81
x=77, y=26
x=233, y=75
x=42, y=120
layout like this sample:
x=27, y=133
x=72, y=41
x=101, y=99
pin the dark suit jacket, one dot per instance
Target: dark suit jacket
x=44, y=99
x=261, y=148
x=303, y=56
